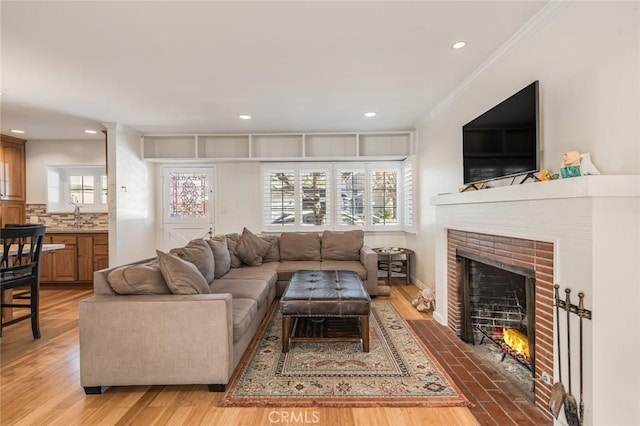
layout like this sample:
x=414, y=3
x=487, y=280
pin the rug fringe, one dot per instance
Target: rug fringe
x=341, y=403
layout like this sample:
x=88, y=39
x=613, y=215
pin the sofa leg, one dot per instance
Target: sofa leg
x=217, y=388
x=93, y=390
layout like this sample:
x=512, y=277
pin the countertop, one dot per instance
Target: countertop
x=76, y=231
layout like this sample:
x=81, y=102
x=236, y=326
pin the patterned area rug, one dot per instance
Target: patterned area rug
x=398, y=370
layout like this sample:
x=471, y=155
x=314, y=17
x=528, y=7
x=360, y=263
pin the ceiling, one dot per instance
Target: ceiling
x=193, y=67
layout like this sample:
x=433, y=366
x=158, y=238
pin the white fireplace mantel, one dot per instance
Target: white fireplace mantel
x=578, y=187
x=594, y=224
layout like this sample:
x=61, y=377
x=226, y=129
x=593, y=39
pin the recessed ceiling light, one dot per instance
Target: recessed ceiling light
x=244, y=117
x=17, y=131
x=370, y=114
x=91, y=132
x=459, y=44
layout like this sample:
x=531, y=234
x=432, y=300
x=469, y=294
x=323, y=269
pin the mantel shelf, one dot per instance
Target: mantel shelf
x=578, y=187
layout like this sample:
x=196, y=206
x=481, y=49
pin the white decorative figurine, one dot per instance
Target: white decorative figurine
x=426, y=300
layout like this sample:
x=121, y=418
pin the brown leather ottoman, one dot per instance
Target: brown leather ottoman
x=320, y=296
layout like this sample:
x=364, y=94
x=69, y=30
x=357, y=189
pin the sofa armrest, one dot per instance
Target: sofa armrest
x=369, y=260
x=156, y=340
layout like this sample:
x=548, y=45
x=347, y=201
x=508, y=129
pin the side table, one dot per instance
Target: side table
x=395, y=260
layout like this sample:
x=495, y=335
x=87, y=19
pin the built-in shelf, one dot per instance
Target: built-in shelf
x=284, y=146
x=223, y=146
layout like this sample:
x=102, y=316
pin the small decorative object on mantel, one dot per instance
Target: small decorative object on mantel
x=570, y=166
x=547, y=174
x=576, y=164
x=426, y=300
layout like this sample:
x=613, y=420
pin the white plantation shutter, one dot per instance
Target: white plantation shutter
x=408, y=194
x=278, y=197
x=315, y=196
x=376, y=196
x=384, y=196
x=351, y=196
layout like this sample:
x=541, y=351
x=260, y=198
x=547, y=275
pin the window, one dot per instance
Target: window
x=279, y=199
x=85, y=186
x=384, y=197
x=81, y=189
x=314, y=197
x=350, y=199
x=335, y=196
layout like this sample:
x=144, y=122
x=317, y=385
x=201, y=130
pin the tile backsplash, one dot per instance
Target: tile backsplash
x=38, y=212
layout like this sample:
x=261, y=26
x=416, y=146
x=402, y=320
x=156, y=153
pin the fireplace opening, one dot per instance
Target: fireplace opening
x=497, y=310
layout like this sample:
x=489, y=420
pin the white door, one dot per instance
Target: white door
x=187, y=205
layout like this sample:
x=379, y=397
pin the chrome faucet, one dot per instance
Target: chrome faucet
x=76, y=215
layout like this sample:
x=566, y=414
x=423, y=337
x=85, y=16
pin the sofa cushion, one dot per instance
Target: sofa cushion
x=244, y=310
x=221, y=256
x=345, y=265
x=252, y=273
x=182, y=277
x=257, y=290
x=143, y=278
x=288, y=268
x=199, y=253
x=251, y=248
x=299, y=246
x=342, y=245
x=273, y=254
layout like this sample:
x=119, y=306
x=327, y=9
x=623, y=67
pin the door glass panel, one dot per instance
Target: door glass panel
x=188, y=195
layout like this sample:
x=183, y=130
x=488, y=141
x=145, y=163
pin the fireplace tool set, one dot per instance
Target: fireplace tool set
x=559, y=396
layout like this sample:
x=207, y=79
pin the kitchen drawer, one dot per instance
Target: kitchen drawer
x=64, y=239
x=100, y=249
x=101, y=239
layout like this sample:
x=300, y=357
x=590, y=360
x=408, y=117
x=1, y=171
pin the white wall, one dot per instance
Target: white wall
x=43, y=153
x=587, y=61
x=238, y=197
x=132, y=223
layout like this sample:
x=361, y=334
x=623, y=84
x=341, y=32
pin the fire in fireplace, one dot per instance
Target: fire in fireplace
x=498, y=305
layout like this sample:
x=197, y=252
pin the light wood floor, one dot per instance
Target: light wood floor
x=40, y=385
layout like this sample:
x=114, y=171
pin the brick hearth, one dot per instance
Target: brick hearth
x=530, y=254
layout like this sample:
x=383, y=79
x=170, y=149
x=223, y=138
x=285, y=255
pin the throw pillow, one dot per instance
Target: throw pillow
x=143, y=278
x=342, y=245
x=232, y=241
x=273, y=255
x=198, y=253
x=251, y=248
x=221, y=255
x=299, y=246
x=181, y=276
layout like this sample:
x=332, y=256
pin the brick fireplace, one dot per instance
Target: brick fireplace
x=536, y=256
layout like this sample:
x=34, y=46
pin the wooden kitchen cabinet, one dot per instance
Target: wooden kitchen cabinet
x=12, y=212
x=12, y=180
x=100, y=252
x=65, y=260
x=83, y=254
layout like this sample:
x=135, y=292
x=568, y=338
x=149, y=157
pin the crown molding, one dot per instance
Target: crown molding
x=545, y=15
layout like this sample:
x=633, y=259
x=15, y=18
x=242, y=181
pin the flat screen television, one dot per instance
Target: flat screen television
x=504, y=141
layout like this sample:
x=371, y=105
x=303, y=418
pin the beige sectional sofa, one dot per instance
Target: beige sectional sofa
x=187, y=317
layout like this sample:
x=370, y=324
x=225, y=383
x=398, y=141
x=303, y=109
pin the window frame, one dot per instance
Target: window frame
x=59, y=189
x=333, y=170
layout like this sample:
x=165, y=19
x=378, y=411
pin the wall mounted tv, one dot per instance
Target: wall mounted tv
x=504, y=141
